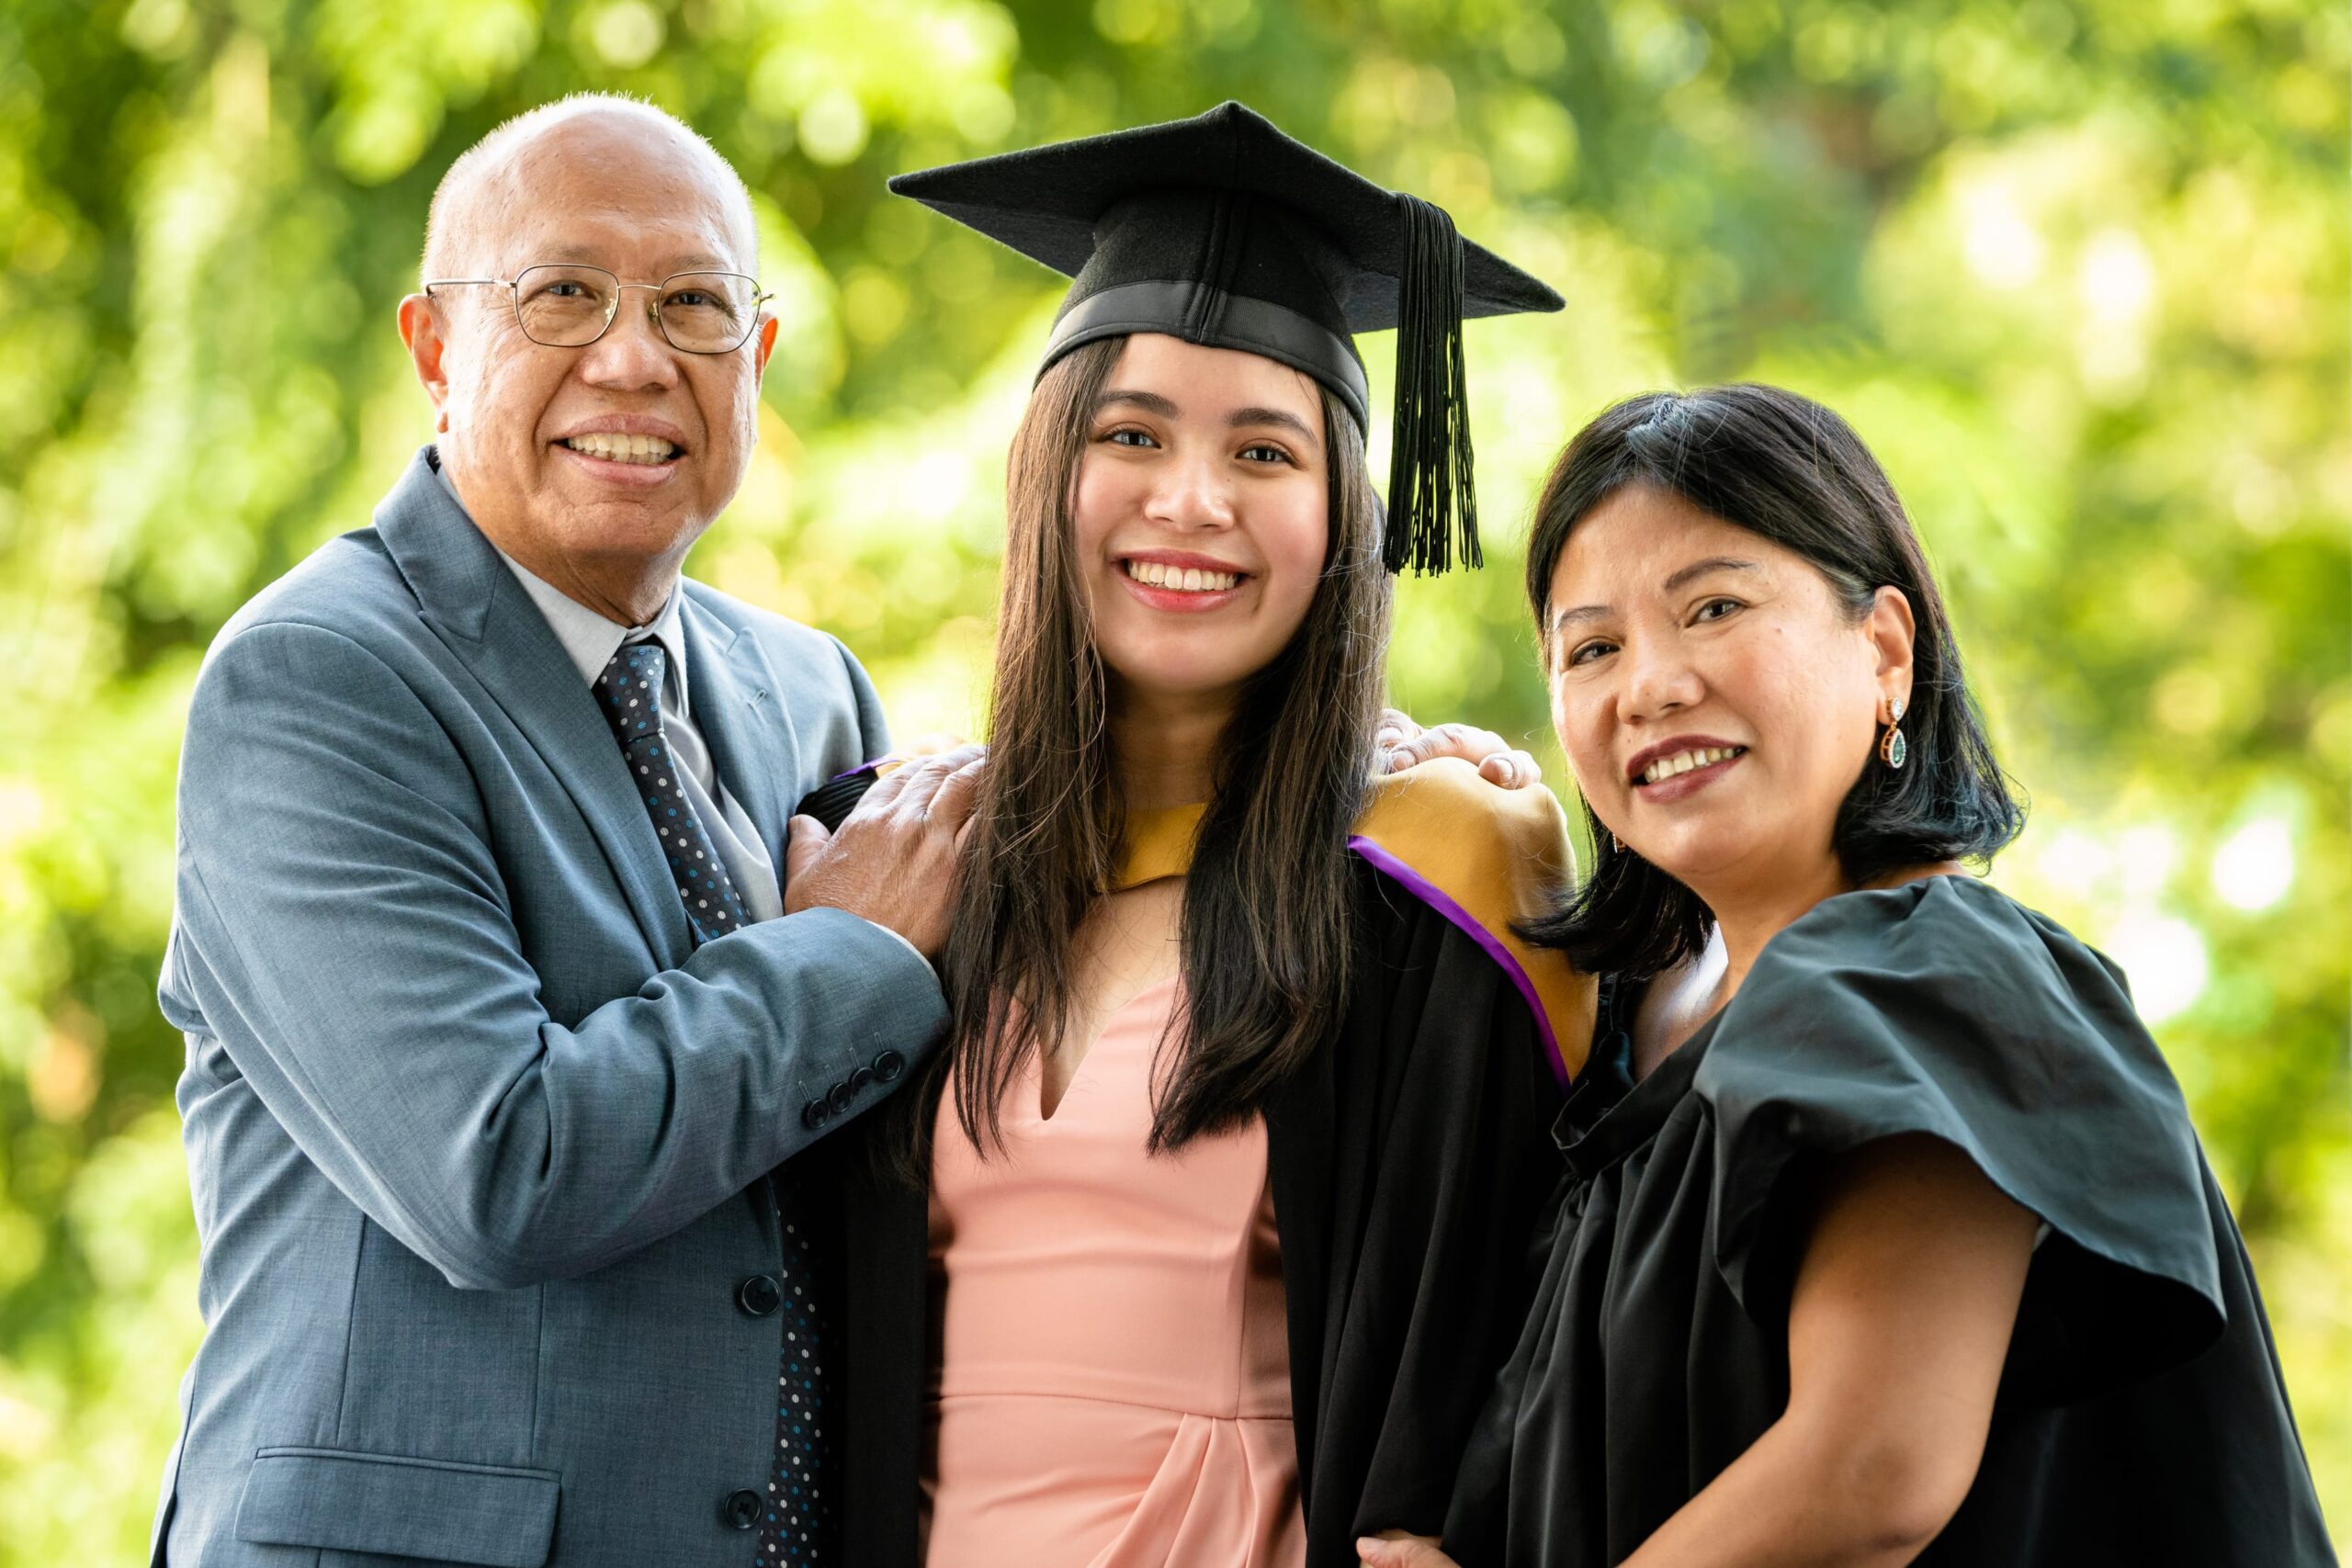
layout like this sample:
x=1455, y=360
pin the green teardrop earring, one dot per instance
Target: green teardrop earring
x=1893, y=749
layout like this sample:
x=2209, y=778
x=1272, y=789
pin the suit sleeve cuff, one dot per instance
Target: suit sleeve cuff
x=902, y=942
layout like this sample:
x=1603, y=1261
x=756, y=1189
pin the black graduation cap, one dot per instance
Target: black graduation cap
x=1222, y=230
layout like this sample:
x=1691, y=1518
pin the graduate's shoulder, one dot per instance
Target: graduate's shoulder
x=1486, y=859
x=1468, y=837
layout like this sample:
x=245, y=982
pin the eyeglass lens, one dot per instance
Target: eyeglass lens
x=700, y=312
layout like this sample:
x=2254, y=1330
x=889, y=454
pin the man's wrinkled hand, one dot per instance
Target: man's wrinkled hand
x=893, y=859
x=1403, y=744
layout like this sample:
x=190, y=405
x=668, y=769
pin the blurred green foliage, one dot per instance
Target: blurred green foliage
x=2076, y=268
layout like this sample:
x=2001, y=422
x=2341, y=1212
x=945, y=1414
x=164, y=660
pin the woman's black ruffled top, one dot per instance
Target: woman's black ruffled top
x=2141, y=1418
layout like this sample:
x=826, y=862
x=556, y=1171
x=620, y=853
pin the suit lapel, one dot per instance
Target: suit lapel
x=737, y=707
x=484, y=616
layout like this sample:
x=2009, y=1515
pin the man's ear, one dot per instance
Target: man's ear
x=1893, y=633
x=422, y=330
x=765, y=333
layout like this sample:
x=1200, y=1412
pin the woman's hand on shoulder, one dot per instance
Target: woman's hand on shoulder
x=1395, y=1548
x=1403, y=744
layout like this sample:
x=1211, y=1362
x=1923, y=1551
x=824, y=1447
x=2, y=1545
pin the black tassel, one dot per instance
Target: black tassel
x=1429, y=464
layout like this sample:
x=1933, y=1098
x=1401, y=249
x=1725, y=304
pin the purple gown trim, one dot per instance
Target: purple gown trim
x=1435, y=897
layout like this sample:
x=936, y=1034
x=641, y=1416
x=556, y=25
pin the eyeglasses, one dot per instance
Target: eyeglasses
x=567, y=306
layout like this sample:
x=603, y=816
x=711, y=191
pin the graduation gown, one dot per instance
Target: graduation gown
x=1407, y=1162
x=2141, y=1417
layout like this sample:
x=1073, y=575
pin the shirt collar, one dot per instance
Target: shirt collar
x=588, y=637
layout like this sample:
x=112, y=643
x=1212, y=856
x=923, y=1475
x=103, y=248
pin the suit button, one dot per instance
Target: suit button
x=841, y=1096
x=759, y=1295
x=817, y=1113
x=861, y=1077
x=742, y=1509
x=888, y=1066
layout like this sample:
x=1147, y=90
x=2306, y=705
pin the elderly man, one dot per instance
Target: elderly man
x=501, y=1020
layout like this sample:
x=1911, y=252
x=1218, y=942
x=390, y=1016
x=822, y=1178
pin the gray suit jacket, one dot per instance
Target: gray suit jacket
x=480, y=1142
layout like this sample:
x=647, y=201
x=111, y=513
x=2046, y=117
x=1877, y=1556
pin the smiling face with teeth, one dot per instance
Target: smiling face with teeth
x=596, y=468
x=1200, y=516
x=1714, y=696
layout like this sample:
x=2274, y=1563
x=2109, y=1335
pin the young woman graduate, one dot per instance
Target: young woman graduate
x=1211, y=1228
x=1885, y=1235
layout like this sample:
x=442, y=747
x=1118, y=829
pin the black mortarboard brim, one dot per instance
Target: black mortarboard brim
x=1222, y=230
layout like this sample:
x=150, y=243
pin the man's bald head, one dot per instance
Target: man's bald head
x=636, y=140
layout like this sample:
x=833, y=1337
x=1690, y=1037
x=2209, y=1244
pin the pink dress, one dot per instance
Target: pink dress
x=1114, y=1383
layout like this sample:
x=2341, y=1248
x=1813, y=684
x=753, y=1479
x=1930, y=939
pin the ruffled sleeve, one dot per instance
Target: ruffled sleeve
x=1943, y=1006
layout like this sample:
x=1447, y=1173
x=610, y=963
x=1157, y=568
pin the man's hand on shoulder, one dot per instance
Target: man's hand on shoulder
x=893, y=859
x=1403, y=744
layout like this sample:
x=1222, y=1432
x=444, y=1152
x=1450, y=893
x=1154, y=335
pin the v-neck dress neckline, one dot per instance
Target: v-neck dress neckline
x=1143, y=998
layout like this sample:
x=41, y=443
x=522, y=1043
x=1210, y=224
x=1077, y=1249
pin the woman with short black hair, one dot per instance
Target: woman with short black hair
x=1884, y=1236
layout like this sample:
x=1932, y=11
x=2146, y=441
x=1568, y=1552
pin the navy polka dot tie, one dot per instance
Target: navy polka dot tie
x=630, y=693
x=796, y=1522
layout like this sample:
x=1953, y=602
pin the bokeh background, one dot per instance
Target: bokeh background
x=2076, y=269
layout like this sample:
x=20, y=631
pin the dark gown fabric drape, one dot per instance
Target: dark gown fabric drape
x=2141, y=1419
x=1409, y=1162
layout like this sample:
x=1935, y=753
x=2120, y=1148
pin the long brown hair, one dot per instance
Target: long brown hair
x=1266, y=931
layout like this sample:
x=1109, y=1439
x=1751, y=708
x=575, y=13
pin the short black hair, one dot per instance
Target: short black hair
x=1787, y=470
